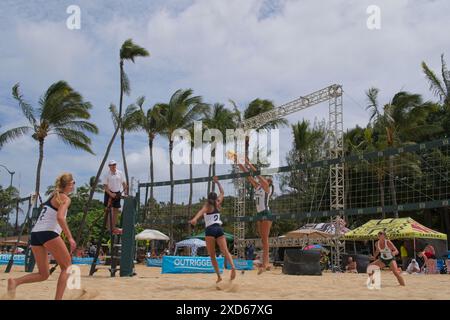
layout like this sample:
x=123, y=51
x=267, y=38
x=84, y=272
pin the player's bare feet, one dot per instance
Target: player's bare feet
x=233, y=274
x=11, y=291
x=219, y=278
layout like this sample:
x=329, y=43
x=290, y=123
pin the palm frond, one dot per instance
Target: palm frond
x=372, y=96
x=445, y=76
x=435, y=84
x=74, y=138
x=13, y=134
x=114, y=114
x=81, y=125
x=27, y=109
x=125, y=83
x=130, y=50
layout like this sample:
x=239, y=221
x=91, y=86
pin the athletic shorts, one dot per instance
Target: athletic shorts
x=41, y=237
x=114, y=202
x=215, y=230
x=387, y=262
x=265, y=213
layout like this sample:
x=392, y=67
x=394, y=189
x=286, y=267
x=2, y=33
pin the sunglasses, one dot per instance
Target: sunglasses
x=73, y=182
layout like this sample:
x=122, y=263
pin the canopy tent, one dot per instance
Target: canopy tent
x=228, y=236
x=150, y=234
x=193, y=243
x=318, y=230
x=308, y=233
x=401, y=228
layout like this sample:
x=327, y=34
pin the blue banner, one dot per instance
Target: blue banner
x=19, y=259
x=77, y=260
x=154, y=262
x=177, y=264
x=241, y=264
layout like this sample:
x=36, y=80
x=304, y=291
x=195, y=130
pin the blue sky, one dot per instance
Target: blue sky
x=233, y=49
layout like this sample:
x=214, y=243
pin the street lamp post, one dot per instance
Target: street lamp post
x=10, y=172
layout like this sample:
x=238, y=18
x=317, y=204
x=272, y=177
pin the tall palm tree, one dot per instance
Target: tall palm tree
x=128, y=52
x=402, y=120
x=152, y=124
x=62, y=112
x=220, y=118
x=181, y=111
x=130, y=122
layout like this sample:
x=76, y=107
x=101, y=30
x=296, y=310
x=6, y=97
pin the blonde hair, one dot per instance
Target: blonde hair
x=61, y=183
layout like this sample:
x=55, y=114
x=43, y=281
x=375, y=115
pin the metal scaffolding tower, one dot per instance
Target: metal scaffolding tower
x=333, y=94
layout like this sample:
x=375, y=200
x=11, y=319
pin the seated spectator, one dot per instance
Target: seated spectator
x=430, y=252
x=421, y=260
x=413, y=267
x=351, y=266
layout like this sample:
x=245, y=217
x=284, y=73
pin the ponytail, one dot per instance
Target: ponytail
x=60, y=184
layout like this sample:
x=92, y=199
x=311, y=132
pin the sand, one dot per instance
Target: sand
x=151, y=284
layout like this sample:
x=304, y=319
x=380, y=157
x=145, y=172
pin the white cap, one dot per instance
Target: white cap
x=111, y=162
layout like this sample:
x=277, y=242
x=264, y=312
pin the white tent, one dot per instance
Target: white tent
x=150, y=234
x=193, y=243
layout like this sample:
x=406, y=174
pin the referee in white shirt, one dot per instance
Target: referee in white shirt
x=115, y=184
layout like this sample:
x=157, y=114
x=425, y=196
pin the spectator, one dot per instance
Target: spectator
x=404, y=256
x=413, y=267
x=250, y=252
x=351, y=266
x=429, y=251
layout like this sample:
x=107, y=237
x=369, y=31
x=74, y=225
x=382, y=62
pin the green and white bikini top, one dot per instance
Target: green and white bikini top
x=386, y=252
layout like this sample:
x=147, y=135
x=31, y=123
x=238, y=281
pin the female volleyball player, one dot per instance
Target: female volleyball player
x=214, y=232
x=45, y=237
x=387, y=251
x=263, y=191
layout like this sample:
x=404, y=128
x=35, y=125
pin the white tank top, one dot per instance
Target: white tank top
x=47, y=220
x=212, y=218
x=385, y=253
x=262, y=199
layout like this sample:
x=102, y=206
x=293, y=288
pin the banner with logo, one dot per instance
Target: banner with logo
x=154, y=263
x=400, y=228
x=186, y=264
x=78, y=260
x=241, y=264
x=19, y=259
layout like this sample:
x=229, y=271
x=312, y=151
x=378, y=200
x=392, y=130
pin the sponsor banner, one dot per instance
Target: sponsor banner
x=19, y=259
x=154, y=262
x=77, y=260
x=186, y=264
x=241, y=264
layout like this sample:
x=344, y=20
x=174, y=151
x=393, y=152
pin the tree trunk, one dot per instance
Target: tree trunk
x=17, y=217
x=97, y=178
x=152, y=177
x=392, y=185
x=124, y=158
x=213, y=166
x=191, y=189
x=39, y=167
x=171, y=191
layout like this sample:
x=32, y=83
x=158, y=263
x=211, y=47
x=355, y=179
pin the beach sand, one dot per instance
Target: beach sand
x=149, y=283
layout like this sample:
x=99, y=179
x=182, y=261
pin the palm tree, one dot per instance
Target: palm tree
x=438, y=87
x=130, y=122
x=255, y=108
x=152, y=124
x=220, y=118
x=62, y=112
x=128, y=52
x=180, y=112
x=403, y=120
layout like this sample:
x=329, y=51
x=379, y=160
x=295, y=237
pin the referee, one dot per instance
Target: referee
x=115, y=183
